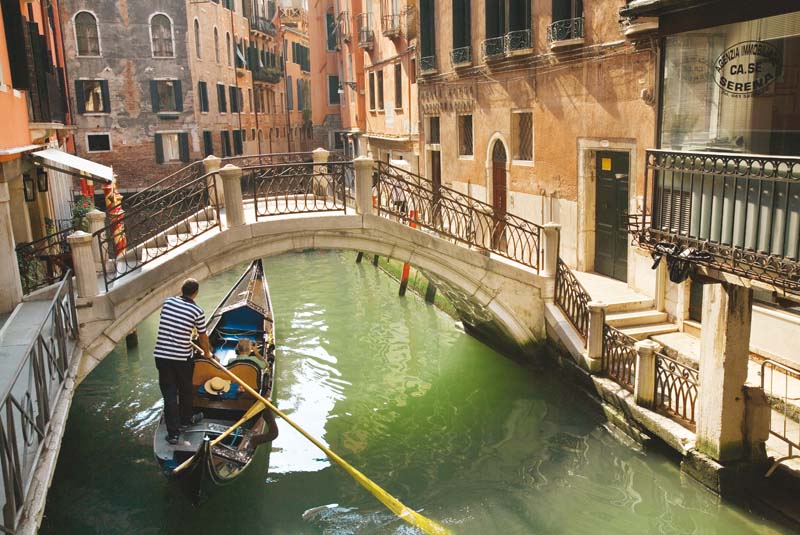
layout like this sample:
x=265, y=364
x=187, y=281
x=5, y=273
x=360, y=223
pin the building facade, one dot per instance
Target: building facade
x=297, y=51
x=326, y=113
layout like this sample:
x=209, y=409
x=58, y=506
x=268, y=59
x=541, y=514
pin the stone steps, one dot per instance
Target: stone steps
x=640, y=332
x=638, y=317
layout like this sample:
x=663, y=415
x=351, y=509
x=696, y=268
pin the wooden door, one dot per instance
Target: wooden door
x=499, y=195
x=611, y=207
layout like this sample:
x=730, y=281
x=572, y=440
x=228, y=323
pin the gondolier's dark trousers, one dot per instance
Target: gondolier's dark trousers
x=175, y=381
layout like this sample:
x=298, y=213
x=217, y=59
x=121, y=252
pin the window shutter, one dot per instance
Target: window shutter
x=159, y=149
x=106, y=96
x=223, y=107
x=154, y=95
x=234, y=100
x=208, y=143
x=183, y=140
x=176, y=87
x=289, y=94
x=80, y=96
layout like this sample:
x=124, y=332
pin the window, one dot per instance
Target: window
x=216, y=44
x=465, y=135
x=197, y=47
x=236, y=99
x=92, y=96
x=166, y=96
x=412, y=72
x=98, y=142
x=172, y=147
x=202, y=96
x=208, y=143
x=253, y=134
x=372, y=91
x=427, y=30
x=433, y=129
x=225, y=137
x=398, y=85
x=228, y=49
x=87, y=34
x=333, y=90
x=379, y=79
x=331, y=26
x=461, y=24
x=300, y=95
x=507, y=16
x=250, y=99
x=522, y=134
x=161, y=36
x=238, y=147
x=222, y=103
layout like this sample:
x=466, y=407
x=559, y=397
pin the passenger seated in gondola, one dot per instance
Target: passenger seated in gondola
x=247, y=350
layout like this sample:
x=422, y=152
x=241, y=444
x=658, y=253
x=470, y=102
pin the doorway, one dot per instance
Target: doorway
x=499, y=189
x=611, y=210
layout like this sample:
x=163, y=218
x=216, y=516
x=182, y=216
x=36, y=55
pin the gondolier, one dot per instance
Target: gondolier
x=180, y=317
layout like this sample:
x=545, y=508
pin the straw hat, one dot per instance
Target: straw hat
x=217, y=386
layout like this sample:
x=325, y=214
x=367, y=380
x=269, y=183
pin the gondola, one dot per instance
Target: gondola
x=198, y=464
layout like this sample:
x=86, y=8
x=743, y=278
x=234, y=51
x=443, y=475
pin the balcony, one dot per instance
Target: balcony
x=390, y=25
x=565, y=33
x=366, y=37
x=636, y=26
x=514, y=43
x=741, y=211
x=260, y=24
x=427, y=65
x=461, y=57
x=494, y=48
x=269, y=75
x=518, y=41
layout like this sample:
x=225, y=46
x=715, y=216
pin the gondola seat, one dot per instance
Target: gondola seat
x=249, y=372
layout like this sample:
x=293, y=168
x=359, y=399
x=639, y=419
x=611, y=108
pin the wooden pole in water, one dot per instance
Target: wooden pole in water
x=412, y=216
x=430, y=293
x=375, y=260
x=359, y=257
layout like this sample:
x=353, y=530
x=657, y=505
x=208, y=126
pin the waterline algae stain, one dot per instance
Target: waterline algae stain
x=453, y=429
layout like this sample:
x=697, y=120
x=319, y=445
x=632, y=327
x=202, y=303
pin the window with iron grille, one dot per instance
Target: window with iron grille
x=523, y=135
x=465, y=135
x=433, y=129
x=87, y=34
x=161, y=36
x=398, y=85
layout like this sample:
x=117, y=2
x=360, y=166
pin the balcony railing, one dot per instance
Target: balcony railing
x=427, y=64
x=564, y=30
x=366, y=36
x=744, y=210
x=270, y=75
x=494, y=47
x=260, y=24
x=390, y=25
x=518, y=40
x=461, y=56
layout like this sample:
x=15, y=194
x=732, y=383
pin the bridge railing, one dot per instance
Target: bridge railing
x=173, y=218
x=30, y=396
x=781, y=384
x=572, y=298
x=408, y=197
x=297, y=188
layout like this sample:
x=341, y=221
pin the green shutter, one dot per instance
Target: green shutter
x=154, y=95
x=183, y=141
x=223, y=106
x=289, y=95
x=106, y=96
x=176, y=87
x=208, y=143
x=159, y=149
x=80, y=96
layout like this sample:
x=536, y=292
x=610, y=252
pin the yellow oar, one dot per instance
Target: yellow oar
x=255, y=410
x=404, y=513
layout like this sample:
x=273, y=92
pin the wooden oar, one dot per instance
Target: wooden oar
x=255, y=410
x=404, y=513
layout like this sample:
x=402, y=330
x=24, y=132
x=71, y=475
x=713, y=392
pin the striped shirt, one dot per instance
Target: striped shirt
x=179, y=317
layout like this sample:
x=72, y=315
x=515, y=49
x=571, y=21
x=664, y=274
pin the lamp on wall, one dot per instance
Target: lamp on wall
x=41, y=180
x=28, y=188
x=352, y=86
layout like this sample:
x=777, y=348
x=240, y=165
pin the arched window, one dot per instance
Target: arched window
x=86, y=34
x=161, y=36
x=216, y=44
x=228, y=51
x=197, y=48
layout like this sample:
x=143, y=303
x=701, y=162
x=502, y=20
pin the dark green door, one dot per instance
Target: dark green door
x=611, y=232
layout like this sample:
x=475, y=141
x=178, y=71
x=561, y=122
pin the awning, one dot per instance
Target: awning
x=68, y=163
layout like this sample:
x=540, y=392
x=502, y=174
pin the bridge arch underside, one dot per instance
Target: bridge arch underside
x=492, y=297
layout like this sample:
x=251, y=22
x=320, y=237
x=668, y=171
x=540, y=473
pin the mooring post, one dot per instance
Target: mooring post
x=644, y=388
x=552, y=232
x=375, y=260
x=132, y=339
x=406, y=266
x=594, y=338
x=430, y=292
x=234, y=206
x=359, y=257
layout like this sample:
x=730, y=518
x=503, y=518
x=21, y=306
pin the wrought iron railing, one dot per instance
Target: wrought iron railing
x=619, y=357
x=494, y=47
x=781, y=384
x=268, y=75
x=31, y=394
x=365, y=34
x=263, y=25
x=742, y=209
x=297, y=188
x=676, y=389
x=427, y=64
x=172, y=219
x=461, y=56
x=518, y=40
x=565, y=30
x=183, y=175
x=572, y=298
x=408, y=197
x=390, y=24
x=44, y=261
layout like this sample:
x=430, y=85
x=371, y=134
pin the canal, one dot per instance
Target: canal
x=446, y=424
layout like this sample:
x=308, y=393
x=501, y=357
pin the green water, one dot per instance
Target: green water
x=397, y=388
